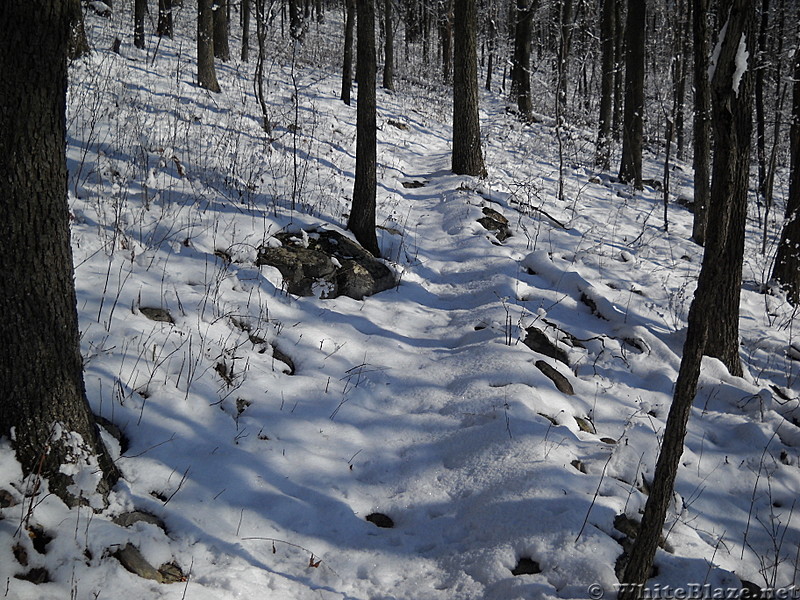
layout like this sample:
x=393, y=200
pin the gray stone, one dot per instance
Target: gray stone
x=561, y=382
x=496, y=223
x=331, y=261
x=536, y=340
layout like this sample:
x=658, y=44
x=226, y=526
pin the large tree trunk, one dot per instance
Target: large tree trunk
x=347, y=64
x=222, y=49
x=388, y=48
x=42, y=395
x=139, y=12
x=206, y=73
x=607, y=43
x=164, y=27
x=521, y=60
x=702, y=121
x=787, y=263
x=722, y=265
x=467, y=155
x=362, y=215
x=633, y=120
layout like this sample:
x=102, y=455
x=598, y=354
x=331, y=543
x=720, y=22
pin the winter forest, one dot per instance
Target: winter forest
x=399, y=299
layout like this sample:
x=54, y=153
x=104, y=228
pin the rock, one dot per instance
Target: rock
x=496, y=223
x=411, y=185
x=131, y=558
x=536, y=340
x=156, y=314
x=585, y=425
x=562, y=383
x=330, y=261
x=526, y=566
x=127, y=519
x=37, y=575
x=277, y=354
x=380, y=520
x=7, y=500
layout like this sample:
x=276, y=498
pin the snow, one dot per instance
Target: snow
x=419, y=402
x=741, y=63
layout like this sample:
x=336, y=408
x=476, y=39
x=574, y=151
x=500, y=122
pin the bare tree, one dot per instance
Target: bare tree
x=206, y=73
x=467, y=154
x=41, y=371
x=362, y=215
x=347, y=64
x=521, y=60
x=164, y=27
x=787, y=263
x=701, y=159
x=388, y=48
x=630, y=170
x=139, y=12
x=222, y=48
x=722, y=265
x=607, y=34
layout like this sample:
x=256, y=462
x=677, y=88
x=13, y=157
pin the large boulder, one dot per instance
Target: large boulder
x=326, y=264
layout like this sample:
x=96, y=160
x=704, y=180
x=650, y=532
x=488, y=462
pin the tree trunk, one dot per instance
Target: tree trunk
x=521, y=61
x=787, y=263
x=564, y=43
x=388, y=49
x=491, y=43
x=78, y=44
x=607, y=43
x=362, y=215
x=702, y=121
x=446, y=38
x=164, y=27
x=139, y=12
x=732, y=125
x=633, y=120
x=222, y=49
x=467, y=155
x=41, y=370
x=206, y=73
x=245, y=56
x=619, y=72
x=347, y=65
x=296, y=21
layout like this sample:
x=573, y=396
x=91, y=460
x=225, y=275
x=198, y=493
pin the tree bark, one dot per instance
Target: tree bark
x=521, y=60
x=206, y=73
x=222, y=49
x=164, y=27
x=388, y=48
x=701, y=160
x=362, y=215
x=467, y=155
x=633, y=119
x=445, y=23
x=245, y=56
x=347, y=64
x=732, y=104
x=139, y=12
x=78, y=44
x=43, y=405
x=787, y=263
x=607, y=43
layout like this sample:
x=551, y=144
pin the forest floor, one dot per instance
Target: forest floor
x=421, y=403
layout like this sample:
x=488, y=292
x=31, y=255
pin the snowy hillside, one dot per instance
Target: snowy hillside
x=421, y=407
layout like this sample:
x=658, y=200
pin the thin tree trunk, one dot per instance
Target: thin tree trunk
x=41, y=369
x=388, y=61
x=347, y=65
x=78, y=44
x=732, y=126
x=467, y=155
x=222, y=49
x=633, y=121
x=491, y=43
x=607, y=42
x=258, y=81
x=362, y=215
x=245, y=30
x=206, y=73
x=164, y=27
x=521, y=61
x=702, y=121
x=787, y=263
x=139, y=12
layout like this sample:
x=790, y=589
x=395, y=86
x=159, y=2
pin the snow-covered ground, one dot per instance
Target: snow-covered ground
x=420, y=403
